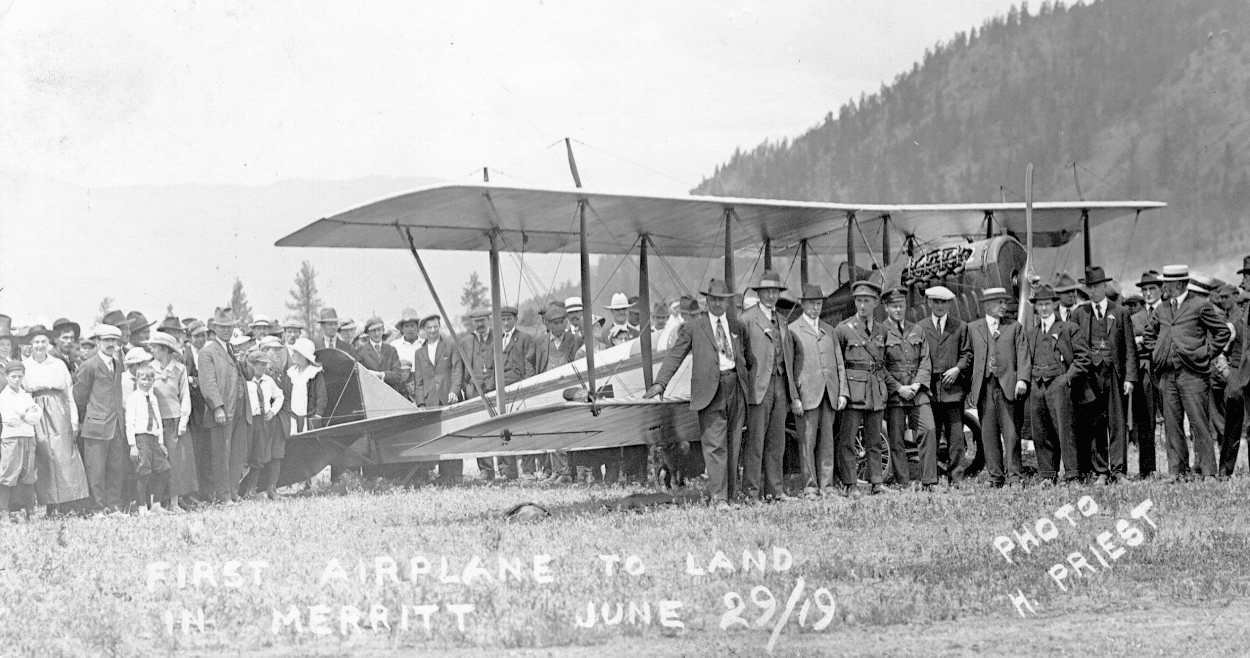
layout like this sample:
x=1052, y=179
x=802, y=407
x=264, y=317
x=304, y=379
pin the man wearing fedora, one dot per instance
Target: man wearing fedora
x=328, y=320
x=1058, y=359
x=950, y=359
x=98, y=394
x=621, y=331
x=862, y=341
x=65, y=345
x=821, y=382
x=1066, y=287
x=1000, y=370
x=721, y=352
x=1183, y=336
x=1102, y=421
x=140, y=328
x=771, y=392
x=1146, y=402
x=222, y=383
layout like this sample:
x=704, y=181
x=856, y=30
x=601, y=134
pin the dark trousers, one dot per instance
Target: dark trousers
x=1050, y=408
x=1185, y=393
x=720, y=431
x=1234, y=417
x=765, y=444
x=948, y=421
x=819, y=445
x=920, y=418
x=1102, y=434
x=1145, y=409
x=852, y=421
x=107, y=464
x=998, y=432
x=201, y=442
x=241, y=448
x=450, y=471
x=634, y=462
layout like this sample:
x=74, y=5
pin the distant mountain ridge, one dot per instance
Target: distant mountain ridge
x=1150, y=99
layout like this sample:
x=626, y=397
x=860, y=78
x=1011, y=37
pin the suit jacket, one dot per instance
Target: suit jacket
x=518, y=358
x=98, y=394
x=819, y=365
x=1119, y=326
x=222, y=383
x=765, y=340
x=477, y=362
x=543, y=348
x=1188, y=337
x=1140, y=320
x=1073, y=351
x=193, y=381
x=385, y=361
x=1012, y=357
x=698, y=339
x=907, y=362
x=952, y=348
x=433, y=378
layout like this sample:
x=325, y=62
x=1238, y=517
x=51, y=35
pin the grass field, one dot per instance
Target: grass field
x=911, y=574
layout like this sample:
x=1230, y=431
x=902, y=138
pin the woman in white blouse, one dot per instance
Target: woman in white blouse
x=62, y=478
x=173, y=392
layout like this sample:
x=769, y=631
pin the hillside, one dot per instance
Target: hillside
x=1150, y=99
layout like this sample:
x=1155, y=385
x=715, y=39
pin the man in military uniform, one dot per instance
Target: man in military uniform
x=1146, y=393
x=771, y=391
x=908, y=374
x=1059, y=357
x=862, y=341
x=950, y=354
x=1000, y=370
x=1102, y=437
x=1182, y=336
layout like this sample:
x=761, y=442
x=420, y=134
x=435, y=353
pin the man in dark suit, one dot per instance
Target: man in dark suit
x=908, y=374
x=771, y=392
x=197, y=428
x=553, y=349
x=518, y=364
x=1227, y=406
x=223, y=384
x=1102, y=423
x=1183, y=336
x=432, y=375
x=1067, y=288
x=1000, y=368
x=474, y=373
x=329, y=321
x=1058, y=357
x=1146, y=401
x=862, y=341
x=821, y=380
x=950, y=359
x=98, y=393
x=718, y=383
x=380, y=358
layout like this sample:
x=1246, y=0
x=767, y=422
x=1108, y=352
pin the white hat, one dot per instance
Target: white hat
x=106, y=331
x=1175, y=273
x=941, y=293
x=572, y=304
x=620, y=301
x=137, y=355
x=261, y=318
x=305, y=348
x=238, y=337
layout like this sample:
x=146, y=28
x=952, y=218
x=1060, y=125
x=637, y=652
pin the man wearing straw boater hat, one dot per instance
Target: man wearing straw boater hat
x=1000, y=370
x=771, y=392
x=1058, y=359
x=1182, y=336
x=862, y=341
x=1102, y=422
x=1146, y=402
x=822, y=392
x=718, y=382
x=222, y=382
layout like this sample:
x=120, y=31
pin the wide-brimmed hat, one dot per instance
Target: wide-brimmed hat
x=372, y=322
x=306, y=349
x=995, y=293
x=1044, y=293
x=1065, y=283
x=408, y=315
x=866, y=288
x=327, y=314
x=117, y=319
x=223, y=317
x=940, y=293
x=136, y=355
x=620, y=301
x=138, y=321
x=718, y=288
x=1151, y=278
x=164, y=340
x=769, y=280
x=1175, y=273
x=62, y=324
x=102, y=331
x=660, y=310
x=39, y=330
x=555, y=311
x=688, y=304
x=1245, y=266
x=1094, y=275
x=237, y=337
x=171, y=324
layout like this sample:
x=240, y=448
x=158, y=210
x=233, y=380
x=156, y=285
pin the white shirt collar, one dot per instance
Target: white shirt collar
x=814, y=322
x=1101, y=306
x=991, y=322
x=1049, y=322
x=939, y=322
x=1181, y=299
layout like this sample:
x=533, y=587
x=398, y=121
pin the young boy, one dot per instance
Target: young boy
x=265, y=399
x=144, y=429
x=17, y=441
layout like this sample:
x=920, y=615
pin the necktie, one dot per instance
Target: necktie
x=1100, y=313
x=151, y=414
x=1175, y=305
x=993, y=352
x=721, y=337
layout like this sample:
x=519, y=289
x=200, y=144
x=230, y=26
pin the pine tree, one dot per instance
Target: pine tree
x=474, y=295
x=305, y=303
x=169, y=310
x=238, y=303
x=106, y=305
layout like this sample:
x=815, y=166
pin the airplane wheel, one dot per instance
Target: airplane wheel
x=861, y=455
x=974, y=454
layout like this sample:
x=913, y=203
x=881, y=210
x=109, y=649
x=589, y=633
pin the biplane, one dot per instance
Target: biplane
x=966, y=247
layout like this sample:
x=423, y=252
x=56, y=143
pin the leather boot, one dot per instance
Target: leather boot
x=271, y=484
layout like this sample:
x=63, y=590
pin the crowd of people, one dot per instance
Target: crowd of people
x=138, y=417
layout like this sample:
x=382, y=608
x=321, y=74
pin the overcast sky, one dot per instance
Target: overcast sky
x=658, y=93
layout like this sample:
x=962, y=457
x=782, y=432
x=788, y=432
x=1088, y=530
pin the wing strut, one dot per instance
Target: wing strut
x=644, y=311
x=588, y=318
x=729, y=260
x=496, y=320
x=803, y=272
x=1085, y=237
x=1026, y=285
x=851, y=271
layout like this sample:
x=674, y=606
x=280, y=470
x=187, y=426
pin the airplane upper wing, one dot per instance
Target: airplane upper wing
x=461, y=216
